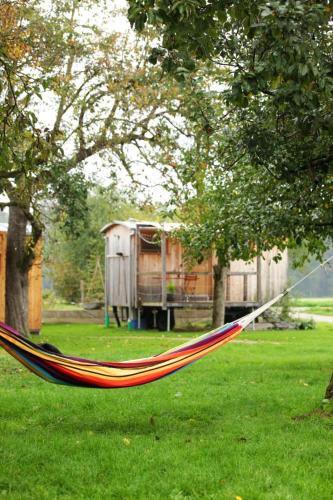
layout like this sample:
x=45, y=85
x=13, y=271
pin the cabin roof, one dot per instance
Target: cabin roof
x=134, y=224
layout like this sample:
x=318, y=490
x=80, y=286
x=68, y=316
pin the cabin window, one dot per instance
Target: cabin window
x=116, y=244
x=149, y=242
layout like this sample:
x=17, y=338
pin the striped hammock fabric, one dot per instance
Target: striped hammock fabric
x=73, y=371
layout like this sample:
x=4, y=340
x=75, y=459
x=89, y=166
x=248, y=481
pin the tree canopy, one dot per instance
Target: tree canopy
x=72, y=91
x=271, y=66
x=70, y=257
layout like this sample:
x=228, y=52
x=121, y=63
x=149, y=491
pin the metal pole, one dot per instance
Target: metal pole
x=168, y=319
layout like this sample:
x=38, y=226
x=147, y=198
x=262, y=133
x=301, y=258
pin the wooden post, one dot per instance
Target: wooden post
x=168, y=319
x=245, y=287
x=228, y=286
x=259, y=287
x=35, y=285
x=35, y=291
x=106, y=284
x=3, y=245
x=136, y=267
x=82, y=291
x=163, y=257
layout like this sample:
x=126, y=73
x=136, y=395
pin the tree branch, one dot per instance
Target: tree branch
x=68, y=72
x=11, y=174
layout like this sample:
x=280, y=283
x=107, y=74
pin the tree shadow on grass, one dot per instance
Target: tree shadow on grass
x=324, y=412
x=163, y=419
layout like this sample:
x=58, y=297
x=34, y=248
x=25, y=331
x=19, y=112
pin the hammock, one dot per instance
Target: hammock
x=70, y=370
x=73, y=371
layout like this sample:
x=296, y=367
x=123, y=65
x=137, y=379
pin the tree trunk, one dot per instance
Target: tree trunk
x=220, y=280
x=329, y=390
x=17, y=268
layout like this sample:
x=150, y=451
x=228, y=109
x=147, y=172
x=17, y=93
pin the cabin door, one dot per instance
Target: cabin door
x=119, y=272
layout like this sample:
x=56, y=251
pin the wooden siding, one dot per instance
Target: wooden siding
x=274, y=275
x=119, y=266
x=35, y=286
x=136, y=277
x=242, y=288
x=35, y=291
x=3, y=245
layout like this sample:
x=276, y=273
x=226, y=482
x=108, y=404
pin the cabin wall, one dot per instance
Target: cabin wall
x=3, y=246
x=191, y=279
x=118, y=265
x=187, y=282
x=35, y=291
x=135, y=277
x=242, y=288
x=197, y=282
x=200, y=280
x=149, y=265
x=274, y=274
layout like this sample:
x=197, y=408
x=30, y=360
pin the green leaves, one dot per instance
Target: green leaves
x=185, y=8
x=258, y=172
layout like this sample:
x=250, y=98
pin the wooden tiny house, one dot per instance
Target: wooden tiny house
x=35, y=286
x=145, y=272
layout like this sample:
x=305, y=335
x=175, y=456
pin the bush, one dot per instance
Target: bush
x=307, y=325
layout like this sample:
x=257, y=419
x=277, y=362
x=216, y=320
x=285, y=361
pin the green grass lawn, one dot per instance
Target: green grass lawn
x=58, y=305
x=321, y=305
x=323, y=311
x=312, y=302
x=242, y=422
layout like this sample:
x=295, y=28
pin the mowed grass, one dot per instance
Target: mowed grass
x=57, y=305
x=242, y=422
x=320, y=305
x=322, y=311
x=312, y=302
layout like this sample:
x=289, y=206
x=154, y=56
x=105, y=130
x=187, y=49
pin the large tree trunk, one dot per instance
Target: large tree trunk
x=220, y=280
x=329, y=390
x=17, y=268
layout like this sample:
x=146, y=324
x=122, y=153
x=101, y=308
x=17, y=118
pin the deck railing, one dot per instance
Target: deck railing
x=191, y=287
